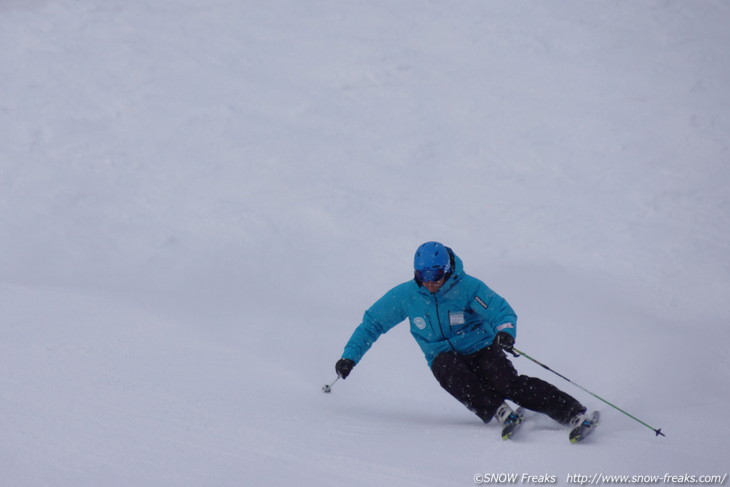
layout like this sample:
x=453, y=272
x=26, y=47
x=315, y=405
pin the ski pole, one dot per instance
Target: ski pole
x=328, y=387
x=658, y=431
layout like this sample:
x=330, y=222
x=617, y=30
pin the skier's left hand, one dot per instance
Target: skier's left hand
x=505, y=341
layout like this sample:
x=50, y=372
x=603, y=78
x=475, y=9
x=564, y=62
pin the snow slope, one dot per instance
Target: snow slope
x=198, y=199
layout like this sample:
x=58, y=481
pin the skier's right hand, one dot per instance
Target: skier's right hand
x=344, y=367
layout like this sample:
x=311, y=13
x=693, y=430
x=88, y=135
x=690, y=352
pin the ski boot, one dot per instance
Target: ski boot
x=512, y=420
x=583, y=425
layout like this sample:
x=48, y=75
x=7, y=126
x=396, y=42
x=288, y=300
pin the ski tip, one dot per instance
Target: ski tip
x=576, y=439
x=659, y=432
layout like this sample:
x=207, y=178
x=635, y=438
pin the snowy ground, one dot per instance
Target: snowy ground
x=198, y=199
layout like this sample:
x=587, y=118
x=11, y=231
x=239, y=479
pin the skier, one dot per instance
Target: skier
x=464, y=329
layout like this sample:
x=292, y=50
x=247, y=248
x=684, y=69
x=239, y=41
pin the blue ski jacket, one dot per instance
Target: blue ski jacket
x=463, y=316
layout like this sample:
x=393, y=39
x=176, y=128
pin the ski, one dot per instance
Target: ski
x=580, y=432
x=513, y=423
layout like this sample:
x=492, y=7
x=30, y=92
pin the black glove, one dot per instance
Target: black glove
x=344, y=367
x=505, y=341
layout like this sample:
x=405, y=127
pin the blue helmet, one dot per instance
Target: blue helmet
x=431, y=262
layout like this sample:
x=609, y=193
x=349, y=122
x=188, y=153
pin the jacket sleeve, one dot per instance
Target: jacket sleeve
x=496, y=313
x=386, y=313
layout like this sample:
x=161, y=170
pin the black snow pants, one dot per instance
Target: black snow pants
x=483, y=380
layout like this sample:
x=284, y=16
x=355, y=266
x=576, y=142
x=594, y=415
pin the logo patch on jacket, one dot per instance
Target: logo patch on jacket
x=481, y=301
x=420, y=323
x=456, y=318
